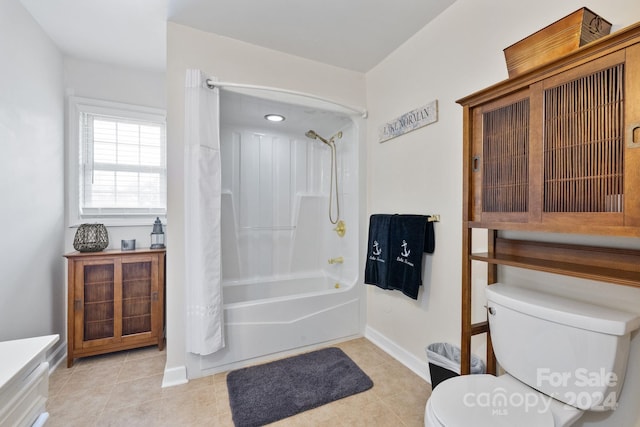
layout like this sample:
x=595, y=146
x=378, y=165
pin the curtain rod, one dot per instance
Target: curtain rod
x=212, y=84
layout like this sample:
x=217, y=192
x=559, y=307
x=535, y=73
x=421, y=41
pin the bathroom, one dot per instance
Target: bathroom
x=420, y=172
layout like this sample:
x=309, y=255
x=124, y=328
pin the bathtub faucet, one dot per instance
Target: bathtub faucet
x=338, y=260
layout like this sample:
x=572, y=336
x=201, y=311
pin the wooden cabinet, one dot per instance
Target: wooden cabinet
x=115, y=301
x=555, y=150
x=559, y=146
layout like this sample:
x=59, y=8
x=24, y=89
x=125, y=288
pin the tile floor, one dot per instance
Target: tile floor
x=124, y=389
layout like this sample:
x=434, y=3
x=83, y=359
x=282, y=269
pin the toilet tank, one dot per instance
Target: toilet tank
x=572, y=351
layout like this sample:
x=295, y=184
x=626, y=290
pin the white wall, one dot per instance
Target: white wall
x=235, y=61
x=32, y=288
x=421, y=172
x=109, y=82
x=115, y=83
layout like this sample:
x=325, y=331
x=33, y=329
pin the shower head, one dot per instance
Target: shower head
x=313, y=135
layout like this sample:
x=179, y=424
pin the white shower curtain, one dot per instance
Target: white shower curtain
x=202, y=217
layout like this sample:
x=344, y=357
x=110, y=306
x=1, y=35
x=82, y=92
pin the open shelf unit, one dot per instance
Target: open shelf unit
x=619, y=266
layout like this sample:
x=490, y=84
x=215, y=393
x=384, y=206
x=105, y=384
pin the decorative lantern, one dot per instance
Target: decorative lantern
x=91, y=238
x=157, y=235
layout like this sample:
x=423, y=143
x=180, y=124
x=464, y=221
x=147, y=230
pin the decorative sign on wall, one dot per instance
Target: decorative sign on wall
x=407, y=122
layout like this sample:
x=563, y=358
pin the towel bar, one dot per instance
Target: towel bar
x=434, y=218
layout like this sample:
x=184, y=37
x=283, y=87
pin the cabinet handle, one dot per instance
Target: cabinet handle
x=154, y=296
x=77, y=305
x=475, y=163
x=633, y=135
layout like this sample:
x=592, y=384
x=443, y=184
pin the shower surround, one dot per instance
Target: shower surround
x=280, y=292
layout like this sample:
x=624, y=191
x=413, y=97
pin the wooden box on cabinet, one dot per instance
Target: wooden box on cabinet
x=115, y=301
x=562, y=37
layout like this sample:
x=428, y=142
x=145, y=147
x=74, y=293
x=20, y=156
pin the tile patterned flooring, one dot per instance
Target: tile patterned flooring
x=124, y=389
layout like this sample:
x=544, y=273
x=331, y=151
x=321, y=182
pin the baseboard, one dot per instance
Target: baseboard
x=174, y=376
x=57, y=356
x=419, y=366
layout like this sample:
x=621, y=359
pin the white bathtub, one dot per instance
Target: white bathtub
x=282, y=315
x=254, y=290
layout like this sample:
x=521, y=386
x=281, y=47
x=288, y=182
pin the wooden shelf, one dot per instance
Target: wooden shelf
x=610, y=275
x=550, y=227
x=612, y=265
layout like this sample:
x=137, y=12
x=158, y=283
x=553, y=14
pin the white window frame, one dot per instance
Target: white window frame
x=78, y=106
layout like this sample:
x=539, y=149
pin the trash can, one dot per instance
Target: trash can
x=444, y=362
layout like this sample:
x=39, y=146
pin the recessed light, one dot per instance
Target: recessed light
x=274, y=117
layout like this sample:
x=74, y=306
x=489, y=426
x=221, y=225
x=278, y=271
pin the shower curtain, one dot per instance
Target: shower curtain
x=202, y=190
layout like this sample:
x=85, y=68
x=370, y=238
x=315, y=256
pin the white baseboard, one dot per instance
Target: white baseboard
x=174, y=376
x=57, y=356
x=419, y=366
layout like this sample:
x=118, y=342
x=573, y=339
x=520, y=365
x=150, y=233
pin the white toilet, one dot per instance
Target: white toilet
x=561, y=357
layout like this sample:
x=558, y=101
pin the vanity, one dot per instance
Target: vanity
x=24, y=381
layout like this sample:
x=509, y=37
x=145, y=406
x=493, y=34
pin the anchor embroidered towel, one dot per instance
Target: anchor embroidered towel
x=409, y=237
x=376, y=267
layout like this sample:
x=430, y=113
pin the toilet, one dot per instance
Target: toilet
x=561, y=357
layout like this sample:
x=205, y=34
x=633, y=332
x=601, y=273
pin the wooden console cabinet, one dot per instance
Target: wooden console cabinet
x=115, y=301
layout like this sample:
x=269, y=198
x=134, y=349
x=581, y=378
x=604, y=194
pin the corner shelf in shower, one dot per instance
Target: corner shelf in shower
x=270, y=228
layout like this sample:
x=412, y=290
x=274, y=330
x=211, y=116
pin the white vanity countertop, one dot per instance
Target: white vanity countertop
x=16, y=354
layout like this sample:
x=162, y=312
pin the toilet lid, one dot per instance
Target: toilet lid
x=485, y=400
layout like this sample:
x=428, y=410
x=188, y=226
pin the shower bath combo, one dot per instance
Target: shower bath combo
x=289, y=282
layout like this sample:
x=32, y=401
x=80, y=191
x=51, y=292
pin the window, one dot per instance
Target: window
x=121, y=161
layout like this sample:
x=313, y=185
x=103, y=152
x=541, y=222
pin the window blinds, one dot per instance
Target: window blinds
x=123, y=166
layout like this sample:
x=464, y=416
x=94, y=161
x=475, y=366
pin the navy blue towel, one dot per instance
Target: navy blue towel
x=394, y=254
x=410, y=236
x=376, y=267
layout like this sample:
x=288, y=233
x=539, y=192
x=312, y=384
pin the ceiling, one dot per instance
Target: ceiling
x=351, y=34
x=245, y=110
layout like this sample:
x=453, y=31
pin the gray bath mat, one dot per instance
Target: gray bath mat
x=266, y=393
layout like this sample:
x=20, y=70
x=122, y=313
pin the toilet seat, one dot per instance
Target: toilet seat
x=485, y=400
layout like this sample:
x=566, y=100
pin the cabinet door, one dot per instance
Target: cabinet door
x=501, y=158
x=94, y=302
x=632, y=138
x=140, y=298
x=583, y=144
